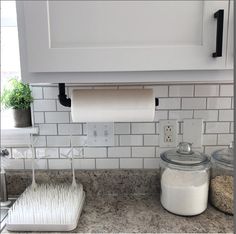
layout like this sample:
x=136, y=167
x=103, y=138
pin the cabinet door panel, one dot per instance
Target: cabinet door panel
x=82, y=36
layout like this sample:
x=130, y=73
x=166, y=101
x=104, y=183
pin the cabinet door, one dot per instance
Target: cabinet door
x=230, y=49
x=83, y=36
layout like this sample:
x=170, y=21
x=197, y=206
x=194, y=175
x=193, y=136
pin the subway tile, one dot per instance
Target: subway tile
x=227, y=90
x=109, y=163
x=122, y=128
x=206, y=90
x=85, y=130
x=232, y=127
x=181, y=114
x=47, y=152
x=211, y=149
x=159, y=91
x=160, y=114
x=44, y=105
x=38, y=117
x=194, y=103
x=151, y=140
x=126, y=140
x=40, y=141
x=217, y=127
x=119, y=152
x=39, y=164
x=210, y=139
x=207, y=115
x=57, y=164
x=79, y=140
x=58, y=141
x=226, y=115
x=70, y=129
x=218, y=103
x=131, y=163
x=143, y=152
x=151, y=163
x=37, y=92
x=47, y=129
x=225, y=139
x=142, y=128
x=50, y=92
x=57, y=117
x=60, y=107
x=84, y=164
x=181, y=91
x=14, y=164
x=169, y=103
x=96, y=152
x=21, y=153
x=65, y=152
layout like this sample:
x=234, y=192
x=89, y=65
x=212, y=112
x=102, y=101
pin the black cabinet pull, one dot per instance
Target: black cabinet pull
x=219, y=15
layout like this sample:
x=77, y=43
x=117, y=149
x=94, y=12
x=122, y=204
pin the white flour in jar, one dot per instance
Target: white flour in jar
x=184, y=192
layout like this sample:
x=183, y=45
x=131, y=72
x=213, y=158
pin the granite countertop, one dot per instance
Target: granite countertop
x=137, y=211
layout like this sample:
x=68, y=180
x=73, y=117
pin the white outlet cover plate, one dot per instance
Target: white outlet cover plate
x=162, y=125
x=192, y=131
x=100, y=134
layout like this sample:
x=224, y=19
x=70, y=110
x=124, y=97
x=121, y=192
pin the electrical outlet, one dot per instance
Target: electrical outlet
x=100, y=134
x=168, y=133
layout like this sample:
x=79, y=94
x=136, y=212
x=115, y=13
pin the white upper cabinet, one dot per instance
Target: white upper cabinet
x=124, y=36
x=230, y=49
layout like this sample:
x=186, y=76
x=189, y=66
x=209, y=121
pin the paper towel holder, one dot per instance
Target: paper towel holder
x=65, y=101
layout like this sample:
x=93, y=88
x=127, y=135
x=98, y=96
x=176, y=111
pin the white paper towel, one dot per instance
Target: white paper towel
x=107, y=105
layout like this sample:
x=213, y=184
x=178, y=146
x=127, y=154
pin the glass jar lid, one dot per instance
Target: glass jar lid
x=224, y=156
x=185, y=156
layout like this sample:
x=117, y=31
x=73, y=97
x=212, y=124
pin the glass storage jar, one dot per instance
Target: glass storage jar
x=221, y=186
x=184, y=180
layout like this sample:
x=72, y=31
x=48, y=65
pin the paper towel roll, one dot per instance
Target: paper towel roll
x=107, y=105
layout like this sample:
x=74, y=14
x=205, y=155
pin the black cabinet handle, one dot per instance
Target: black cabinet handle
x=219, y=15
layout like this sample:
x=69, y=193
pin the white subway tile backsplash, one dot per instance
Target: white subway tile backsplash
x=194, y=103
x=79, y=140
x=122, y=128
x=37, y=92
x=218, y=103
x=206, y=115
x=70, y=129
x=96, y=152
x=209, y=139
x=21, y=153
x=131, y=163
x=181, y=114
x=47, y=153
x=159, y=91
x=232, y=127
x=58, y=141
x=47, y=129
x=119, y=152
x=14, y=164
x=111, y=163
x=40, y=141
x=206, y=90
x=44, y=105
x=143, y=152
x=225, y=139
x=210, y=149
x=227, y=90
x=84, y=164
x=143, y=128
x=217, y=127
x=169, y=103
x=62, y=108
x=57, y=117
x=126, y=140
x=181, y=90
x=151, y=163
x=41, y=164
x=38, y=117
x=58, y=164
x=160, y=114
x=226, y=115
x=151, y=140
x=50, y=92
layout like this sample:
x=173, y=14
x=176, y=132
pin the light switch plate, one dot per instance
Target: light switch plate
x=192, y=131
x=100, y=134
x=168, y=133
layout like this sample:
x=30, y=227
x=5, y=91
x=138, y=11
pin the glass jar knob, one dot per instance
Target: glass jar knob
x=185, y=148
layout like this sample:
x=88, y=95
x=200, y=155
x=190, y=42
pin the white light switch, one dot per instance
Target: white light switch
x=192, y=131
x=100, y=134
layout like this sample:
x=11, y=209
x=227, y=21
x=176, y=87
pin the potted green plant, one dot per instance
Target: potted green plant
x=17, y=96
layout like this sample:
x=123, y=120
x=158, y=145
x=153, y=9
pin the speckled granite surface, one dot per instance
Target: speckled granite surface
x=138, y=211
